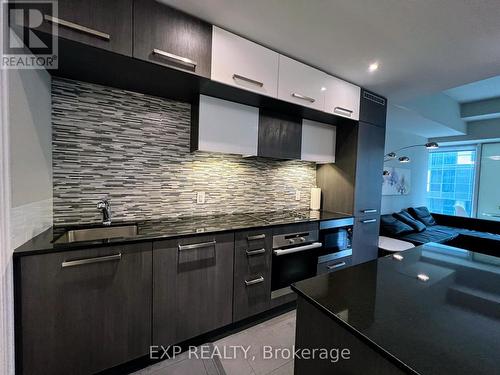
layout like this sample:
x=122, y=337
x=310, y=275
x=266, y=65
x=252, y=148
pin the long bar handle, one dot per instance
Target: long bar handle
x=197, y=245
x=255, y=252
x=77, y=27
x=171, y=56
x=343, y=111
x=80, y=262
x=291, y=250
x=336, y=265
x=256, y=237
x=303, y=97
x=368, y=221
x=257, y=280
x=369, y=211
x=249, y=80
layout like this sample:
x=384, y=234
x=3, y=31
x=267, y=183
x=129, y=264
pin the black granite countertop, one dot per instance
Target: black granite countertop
x=449, y=324
x=174, y=227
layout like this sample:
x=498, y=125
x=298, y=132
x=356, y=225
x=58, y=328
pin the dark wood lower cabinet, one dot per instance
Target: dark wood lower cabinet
x=192, y=287
x=83, y=311
x=365, y=238
x=252, y=273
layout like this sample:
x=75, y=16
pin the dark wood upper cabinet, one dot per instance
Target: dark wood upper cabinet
x=369, y=169
x=102, y=24
x=192, y=286
x=280, y=136
x=84, y=311
x=166, y=36
x=373, y=108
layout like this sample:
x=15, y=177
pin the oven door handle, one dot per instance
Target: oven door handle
x=314, y=245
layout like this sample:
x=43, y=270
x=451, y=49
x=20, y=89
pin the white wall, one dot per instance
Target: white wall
x=395, y=139
x=30, y=153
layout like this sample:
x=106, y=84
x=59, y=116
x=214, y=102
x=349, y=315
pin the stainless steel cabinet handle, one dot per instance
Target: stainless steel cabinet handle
x=256, y=237
x=75, y=26
x=336, y=265
x=300, y=96
x=343, y=111
x=291, y=250
x=171, y=56
x=368, y=221
x=255, y=252
x=80, y=262
x=249, y=80
x=369, y=211
x=257, y=280
x=197, y=245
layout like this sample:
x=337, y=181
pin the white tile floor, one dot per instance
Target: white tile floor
x=278, y=333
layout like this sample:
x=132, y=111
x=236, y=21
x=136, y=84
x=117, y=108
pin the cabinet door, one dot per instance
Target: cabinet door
x=166, y=36
x=280, y=136
x=365, y=239
x=192, y=287
x=318, y=142
x=227, y=127
x=239, y=62
x=102, y=24
x=85, y=311
x=299, y=83
x=252, y=273
x=342, y=98
x=369, y=169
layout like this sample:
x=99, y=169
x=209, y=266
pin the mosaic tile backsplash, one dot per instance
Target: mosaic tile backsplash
x=134, y=150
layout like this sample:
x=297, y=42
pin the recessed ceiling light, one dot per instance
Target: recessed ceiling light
x=373, y=67
x=323, y=89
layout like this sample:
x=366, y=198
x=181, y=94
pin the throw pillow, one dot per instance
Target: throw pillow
x=406, y=218
x=390, y=226
x=422, y=214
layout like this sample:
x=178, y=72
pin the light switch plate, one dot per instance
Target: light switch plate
x=200, y=197
x=297, y=195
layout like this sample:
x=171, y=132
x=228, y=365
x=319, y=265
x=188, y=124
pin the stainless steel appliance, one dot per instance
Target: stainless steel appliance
x=301, y=255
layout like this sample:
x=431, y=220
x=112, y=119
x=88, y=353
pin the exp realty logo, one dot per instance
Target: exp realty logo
x=24, y=23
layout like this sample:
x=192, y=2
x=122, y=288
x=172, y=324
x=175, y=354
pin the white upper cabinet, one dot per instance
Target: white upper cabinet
x=227, y=127
x=318, y=142
x=299, y=83
x=244, y=64
x=342, y=98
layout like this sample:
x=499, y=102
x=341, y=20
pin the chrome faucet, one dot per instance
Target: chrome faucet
x=105, y=207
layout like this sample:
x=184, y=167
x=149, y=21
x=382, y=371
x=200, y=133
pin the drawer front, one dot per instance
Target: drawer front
x=166, y=36
x=85, y=300
x=334, y=265
x=239, y=62
x=192, y=286
x=102, y=24
x=342, y=98
x=301, y=84
x=252, y=273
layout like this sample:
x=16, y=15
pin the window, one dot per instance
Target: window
x=450, y=181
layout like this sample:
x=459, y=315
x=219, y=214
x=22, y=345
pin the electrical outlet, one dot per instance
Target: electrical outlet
x=297, y=195
x=200, y=197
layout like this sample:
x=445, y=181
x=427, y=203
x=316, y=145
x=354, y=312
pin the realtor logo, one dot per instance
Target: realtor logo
x=29, y=39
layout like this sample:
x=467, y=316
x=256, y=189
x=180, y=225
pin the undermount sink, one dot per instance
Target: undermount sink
x=101, y=233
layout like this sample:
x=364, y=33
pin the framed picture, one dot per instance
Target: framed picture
x=397, y=182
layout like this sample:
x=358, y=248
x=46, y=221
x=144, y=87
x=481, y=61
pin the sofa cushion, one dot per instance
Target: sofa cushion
x=390, y=226
x=431, y=234
x=406, y=218
x=422, y=214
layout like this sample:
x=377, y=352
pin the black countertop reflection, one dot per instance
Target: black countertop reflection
x=175, y=227
x=449, y=324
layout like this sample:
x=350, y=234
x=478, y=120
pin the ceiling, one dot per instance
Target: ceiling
x=423, y=46
x=481, y=90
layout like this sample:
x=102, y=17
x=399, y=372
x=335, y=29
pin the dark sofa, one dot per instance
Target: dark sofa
x=467, y=233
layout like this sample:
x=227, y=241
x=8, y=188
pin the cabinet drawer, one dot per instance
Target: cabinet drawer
x=166, y=36
x=301, y=84
x=239, y=62
x=334, y=265
x=192, y=286
x=342, y=98
x=85, y=300
x=102, y=24
x=252, y=273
